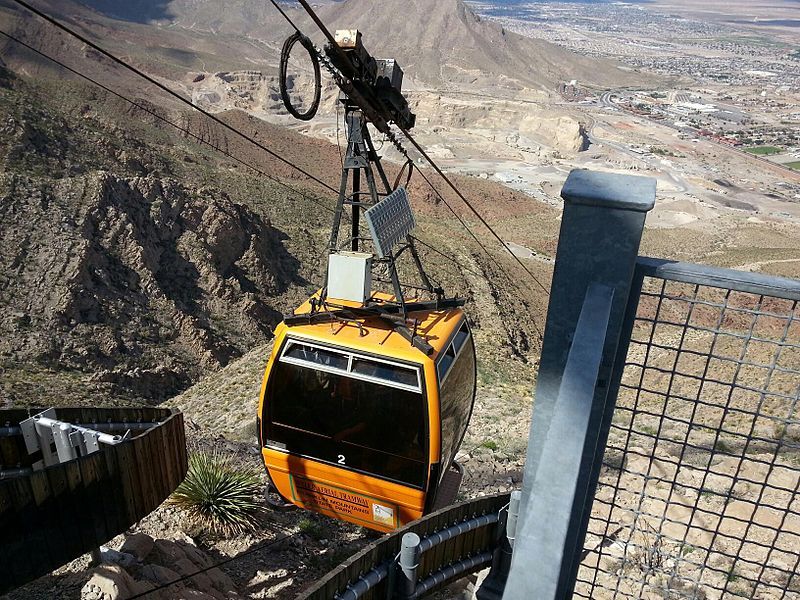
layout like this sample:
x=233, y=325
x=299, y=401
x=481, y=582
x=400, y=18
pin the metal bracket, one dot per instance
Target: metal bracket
x=59, y=441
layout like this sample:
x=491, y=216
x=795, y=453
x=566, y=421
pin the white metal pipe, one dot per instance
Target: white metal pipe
x=105, y=438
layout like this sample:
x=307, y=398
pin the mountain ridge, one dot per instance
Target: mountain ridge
x=444, y=43
x=467, y=48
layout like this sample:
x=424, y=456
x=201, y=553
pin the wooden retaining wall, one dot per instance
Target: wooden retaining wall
x=386, y=549
x=62, y=512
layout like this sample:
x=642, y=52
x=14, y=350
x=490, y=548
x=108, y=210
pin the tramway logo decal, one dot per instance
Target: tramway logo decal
x=321, y=497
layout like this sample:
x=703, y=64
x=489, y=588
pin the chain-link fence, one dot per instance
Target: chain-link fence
x=697, y=497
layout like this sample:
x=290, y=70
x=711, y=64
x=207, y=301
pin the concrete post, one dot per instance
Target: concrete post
x=601, y=230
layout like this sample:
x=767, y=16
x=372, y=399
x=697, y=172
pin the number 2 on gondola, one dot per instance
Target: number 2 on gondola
x=341, y=459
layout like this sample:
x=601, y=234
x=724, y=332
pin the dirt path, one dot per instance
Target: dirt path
x=758, y=265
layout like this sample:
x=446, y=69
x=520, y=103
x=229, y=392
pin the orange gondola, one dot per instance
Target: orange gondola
x=367, y=396
x=358, y=424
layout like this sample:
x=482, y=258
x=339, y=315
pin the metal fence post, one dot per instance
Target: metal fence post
x=601, y=230
x=409, y=562
x=495, y=582
x=513, y=517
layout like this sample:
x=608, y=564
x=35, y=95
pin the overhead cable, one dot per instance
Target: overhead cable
x=215, y=565
x=164, y=120
x=285, y=16
x=422, y=151
x=452, y=259
x=447, y=180
x=169, y=91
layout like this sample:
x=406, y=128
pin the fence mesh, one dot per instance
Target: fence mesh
x=698, y=493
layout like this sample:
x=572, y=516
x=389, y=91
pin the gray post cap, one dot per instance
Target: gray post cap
x=609, y=190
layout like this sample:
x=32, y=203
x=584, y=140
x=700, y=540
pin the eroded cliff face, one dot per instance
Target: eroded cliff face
x=140, y=279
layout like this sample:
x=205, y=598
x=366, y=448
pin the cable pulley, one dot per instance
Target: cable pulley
x=286, y=52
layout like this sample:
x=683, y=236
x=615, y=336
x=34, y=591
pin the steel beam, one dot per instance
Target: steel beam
x=601, y=230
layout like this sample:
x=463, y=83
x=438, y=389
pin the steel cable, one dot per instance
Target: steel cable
x=421, y=150
x=222, y=123
x=169, y=91
x=215, y=565
x=163, y=119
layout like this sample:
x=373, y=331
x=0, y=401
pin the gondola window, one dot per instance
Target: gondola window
x=370, y=412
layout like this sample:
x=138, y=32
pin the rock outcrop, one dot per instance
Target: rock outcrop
x=168, y=570
x=139, y=279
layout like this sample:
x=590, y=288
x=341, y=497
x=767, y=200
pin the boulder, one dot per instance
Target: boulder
x=189, y=594
x=108, y=582
x=197, y=556
x=167, y=553
x=139, y=545
x=221, y=581
x=161, y=575
x=200, y=581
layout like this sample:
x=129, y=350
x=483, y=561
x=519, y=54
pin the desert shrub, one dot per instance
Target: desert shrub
x=490, y=444
x=312, y=528
x=218, y=495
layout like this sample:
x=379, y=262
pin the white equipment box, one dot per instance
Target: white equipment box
x=350, y=276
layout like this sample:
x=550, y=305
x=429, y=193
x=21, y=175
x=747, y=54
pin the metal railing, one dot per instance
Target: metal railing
x=664, y=452
x=421, y=557
x=672, y=470
x=697, y=497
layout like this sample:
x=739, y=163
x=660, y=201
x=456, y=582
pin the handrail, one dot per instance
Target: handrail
x=456, y=540
x=730, y=279
x=53, y=515
x=555, y=494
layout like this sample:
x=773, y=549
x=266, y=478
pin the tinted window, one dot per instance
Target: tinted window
x=456, y=394
x=379, y=370
x=445, y=361
x=317, y=356
x=461, y=336
x=374, y=428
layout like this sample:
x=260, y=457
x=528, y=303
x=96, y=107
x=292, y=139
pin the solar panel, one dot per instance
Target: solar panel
x=390, y=221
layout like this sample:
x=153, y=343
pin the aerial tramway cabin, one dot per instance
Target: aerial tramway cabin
x=358, y=424
x=367, y=396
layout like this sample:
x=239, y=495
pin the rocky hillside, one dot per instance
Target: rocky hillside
x=117, y=265
x=446, y=43
x=97, y=266
x=479, y=91
x=134, y=261
x=441, y=42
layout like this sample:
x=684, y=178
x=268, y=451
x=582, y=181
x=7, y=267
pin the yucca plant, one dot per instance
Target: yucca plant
x=218, y=495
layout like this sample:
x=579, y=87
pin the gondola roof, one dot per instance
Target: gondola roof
x=374, y=335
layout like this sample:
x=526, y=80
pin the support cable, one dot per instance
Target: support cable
x=285, y=16
x=455, y=214
x=449, y=257
x=219, y=121
x=491, y=258
x=165, y=120
x=396, y=143
x=425, y=178
x=421, y=150
x=447, y=180
x=169, y=91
